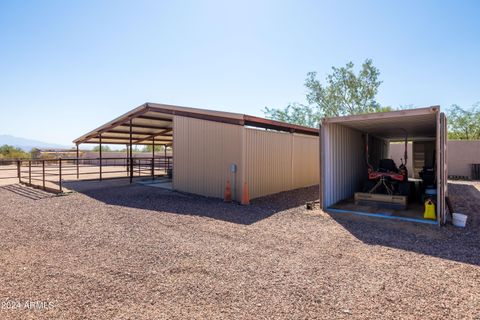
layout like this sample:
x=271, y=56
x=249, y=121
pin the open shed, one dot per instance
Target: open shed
x=350, y=145
x=211, y=147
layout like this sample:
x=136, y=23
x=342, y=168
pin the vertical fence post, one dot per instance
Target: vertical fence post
x=126, y=160
x=19, y=174
x=30, y=171
x=78, y=169
x=43, y=174
x=60, y=174
x=100, y=136
x=165, y=158
x=153, y=158
x=131, y=153
x=153, y=168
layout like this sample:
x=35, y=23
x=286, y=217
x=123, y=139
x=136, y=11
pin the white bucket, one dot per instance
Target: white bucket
x=459, y=220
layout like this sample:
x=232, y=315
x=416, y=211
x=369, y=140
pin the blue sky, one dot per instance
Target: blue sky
x=67, y=67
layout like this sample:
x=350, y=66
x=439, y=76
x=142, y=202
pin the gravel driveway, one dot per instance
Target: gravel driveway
x=136, y=252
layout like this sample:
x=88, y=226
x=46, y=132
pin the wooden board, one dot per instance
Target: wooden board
x=381, y=199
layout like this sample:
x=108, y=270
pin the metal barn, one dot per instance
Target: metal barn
x=211, y=147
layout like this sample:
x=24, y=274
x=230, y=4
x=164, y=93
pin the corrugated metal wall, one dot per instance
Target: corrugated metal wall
x=270, y=162
x=276, y=162
x=203, y=152
x=306, y=170
x=461, y=154
x=344, y=163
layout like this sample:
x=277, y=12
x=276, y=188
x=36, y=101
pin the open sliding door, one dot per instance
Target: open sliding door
x=442, y=170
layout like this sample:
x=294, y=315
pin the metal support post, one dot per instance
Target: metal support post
x=131, y=153
x=78, y=168
x=100, y=136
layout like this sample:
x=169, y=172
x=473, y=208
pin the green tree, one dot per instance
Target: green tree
x=136, y=148
x=11, y=152
x=104, y=148
x=149, y=148
x=386, y=109
x=34, y=153
x=344, y=93
x=464, y=124
x=295, y=113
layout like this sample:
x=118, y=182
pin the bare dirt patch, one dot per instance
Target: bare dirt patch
x=135, y=252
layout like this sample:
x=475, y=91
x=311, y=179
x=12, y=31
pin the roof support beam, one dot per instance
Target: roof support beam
x=104, y=136
x=128, y=132
x=116, y=123
x=123, y=141
x=143, y=126
x=154, y=118
x=154, y=135
x=145, y=143
x=134, y=132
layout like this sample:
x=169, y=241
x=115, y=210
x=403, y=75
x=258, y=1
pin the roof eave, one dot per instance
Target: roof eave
x=115, y=122
x=203, y=114
x=376, y=115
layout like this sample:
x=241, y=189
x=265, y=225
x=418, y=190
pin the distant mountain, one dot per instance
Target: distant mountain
x=28, y=144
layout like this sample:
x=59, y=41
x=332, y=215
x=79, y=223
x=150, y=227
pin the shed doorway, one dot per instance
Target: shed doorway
x=359, y=177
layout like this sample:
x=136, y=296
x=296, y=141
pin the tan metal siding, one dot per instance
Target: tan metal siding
x=344, y=162
x=461, y=154
x=276, y=162
x=203, y=153
x=306, y=171
x=268, y=162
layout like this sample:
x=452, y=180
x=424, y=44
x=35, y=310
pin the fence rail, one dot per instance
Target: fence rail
x=49, y=174
x=8, y=169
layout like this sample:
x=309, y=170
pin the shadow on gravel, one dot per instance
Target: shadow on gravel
x=123, y=194
x=448, y=242
x=27, y=192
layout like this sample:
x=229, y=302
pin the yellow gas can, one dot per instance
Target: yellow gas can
x=429, y=210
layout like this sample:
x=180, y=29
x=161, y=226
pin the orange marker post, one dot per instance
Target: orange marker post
x=228, y=192
x=245, y=196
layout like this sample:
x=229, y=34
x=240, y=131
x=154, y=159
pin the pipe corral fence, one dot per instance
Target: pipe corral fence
x=49, y=174
x=212, y=150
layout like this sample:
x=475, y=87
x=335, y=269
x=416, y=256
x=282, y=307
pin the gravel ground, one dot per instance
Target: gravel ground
x=136, y=252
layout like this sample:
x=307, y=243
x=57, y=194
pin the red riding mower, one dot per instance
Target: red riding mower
x=387, y=178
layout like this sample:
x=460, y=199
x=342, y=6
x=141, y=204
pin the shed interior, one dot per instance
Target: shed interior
x=356, y=176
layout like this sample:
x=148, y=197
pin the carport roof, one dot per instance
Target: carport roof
x=418, y=124
x=152, y=121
